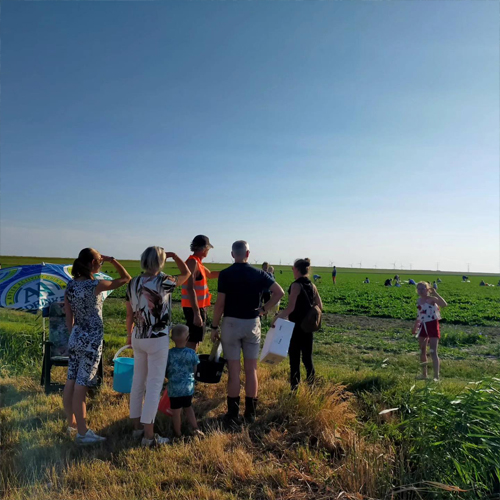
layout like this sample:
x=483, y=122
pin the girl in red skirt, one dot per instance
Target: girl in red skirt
x=426, y=327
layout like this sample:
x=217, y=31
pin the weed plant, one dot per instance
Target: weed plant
x=454, y=439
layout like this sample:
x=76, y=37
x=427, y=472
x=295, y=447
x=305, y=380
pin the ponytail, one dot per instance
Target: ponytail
x=302, y=265
x=82, y=266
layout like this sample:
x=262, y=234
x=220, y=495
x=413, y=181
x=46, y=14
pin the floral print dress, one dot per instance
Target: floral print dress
x=85, y=341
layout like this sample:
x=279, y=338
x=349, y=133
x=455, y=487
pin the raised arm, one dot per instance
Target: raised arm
x=106, y=285
x=181, y=265
x=69, y=314
x=437, y=298
x=213, y=275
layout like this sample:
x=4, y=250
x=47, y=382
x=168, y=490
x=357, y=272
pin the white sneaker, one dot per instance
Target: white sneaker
x=89, y=438
x=70, y=431
x=137, y=433
x=156, y=441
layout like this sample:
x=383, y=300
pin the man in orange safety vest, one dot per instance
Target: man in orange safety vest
x=195, y=295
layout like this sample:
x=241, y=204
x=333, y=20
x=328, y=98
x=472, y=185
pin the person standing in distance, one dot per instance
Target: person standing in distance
x=195, y=296
x=334, y=275
x=426, y=327
x=239, y=291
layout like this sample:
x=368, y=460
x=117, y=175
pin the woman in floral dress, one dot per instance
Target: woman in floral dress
x=83, y=307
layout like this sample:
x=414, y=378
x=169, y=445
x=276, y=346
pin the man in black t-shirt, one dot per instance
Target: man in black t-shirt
x=238, y=299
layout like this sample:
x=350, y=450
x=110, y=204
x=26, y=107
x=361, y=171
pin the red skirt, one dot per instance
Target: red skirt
x=430, y=329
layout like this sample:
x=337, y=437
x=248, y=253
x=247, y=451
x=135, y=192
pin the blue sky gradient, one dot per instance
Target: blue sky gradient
x=342, y=131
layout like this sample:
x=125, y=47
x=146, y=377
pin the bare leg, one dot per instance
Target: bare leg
x=149, y=431
x=137, y=423
x=251, y=381
x=68, y=402
x=423, y=355
x=233, y=380
x=433, y=342
x=191, y=417
x=80, y=408
x=176, y=420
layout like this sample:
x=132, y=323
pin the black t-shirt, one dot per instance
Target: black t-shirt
x=304, y=301
x=243, y=285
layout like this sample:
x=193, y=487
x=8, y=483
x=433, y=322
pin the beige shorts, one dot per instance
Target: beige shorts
x=240, y=334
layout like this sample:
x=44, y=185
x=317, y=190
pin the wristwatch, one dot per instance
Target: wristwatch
x=213, y=327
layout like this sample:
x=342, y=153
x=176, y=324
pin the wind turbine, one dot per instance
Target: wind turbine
x=360, y=265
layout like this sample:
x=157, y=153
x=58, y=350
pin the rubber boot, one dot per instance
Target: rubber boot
x=233, y=410
x=250, y=409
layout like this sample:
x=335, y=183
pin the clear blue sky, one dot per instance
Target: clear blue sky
x=345, y=131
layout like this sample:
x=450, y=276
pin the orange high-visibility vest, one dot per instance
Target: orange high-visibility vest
x=200, y=287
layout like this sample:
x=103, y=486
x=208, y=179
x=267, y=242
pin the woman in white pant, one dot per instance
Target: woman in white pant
x=148, y=320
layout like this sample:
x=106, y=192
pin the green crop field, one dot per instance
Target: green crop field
x=337, y=440
x=469, y=304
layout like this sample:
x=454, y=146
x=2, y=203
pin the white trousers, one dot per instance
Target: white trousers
x=151, y=356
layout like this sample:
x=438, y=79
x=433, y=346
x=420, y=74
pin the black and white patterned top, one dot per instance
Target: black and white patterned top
x=150, y=298
x=86, y=306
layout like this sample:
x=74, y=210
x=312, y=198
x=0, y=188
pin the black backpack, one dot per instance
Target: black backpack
x=312, y=319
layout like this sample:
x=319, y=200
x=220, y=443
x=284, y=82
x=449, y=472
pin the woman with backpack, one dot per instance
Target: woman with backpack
x=304, y=309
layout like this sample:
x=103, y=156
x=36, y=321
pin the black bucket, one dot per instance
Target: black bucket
x=209, y=372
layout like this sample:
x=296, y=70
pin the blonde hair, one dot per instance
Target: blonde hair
x=178, y=330
x=424, y=283
x=153, y=259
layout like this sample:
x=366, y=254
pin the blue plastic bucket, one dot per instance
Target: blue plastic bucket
x=123, y=372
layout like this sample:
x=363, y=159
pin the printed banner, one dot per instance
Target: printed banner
x=33, y=288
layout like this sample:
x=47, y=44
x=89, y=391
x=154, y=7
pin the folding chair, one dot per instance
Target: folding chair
x=55, y=350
